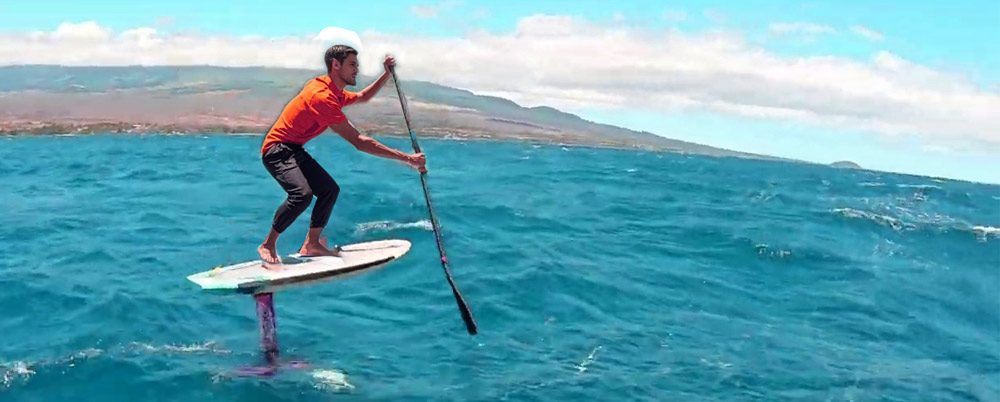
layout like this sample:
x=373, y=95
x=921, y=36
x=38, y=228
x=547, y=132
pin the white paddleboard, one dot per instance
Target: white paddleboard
x=295, y=270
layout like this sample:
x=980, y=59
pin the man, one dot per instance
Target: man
x=318, y=106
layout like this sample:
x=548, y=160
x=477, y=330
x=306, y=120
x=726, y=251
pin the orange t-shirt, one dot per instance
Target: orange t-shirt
x=308, y=114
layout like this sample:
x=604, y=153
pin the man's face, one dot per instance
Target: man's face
x=349, y=70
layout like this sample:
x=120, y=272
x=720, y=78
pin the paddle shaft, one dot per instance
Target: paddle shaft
x=470, y=323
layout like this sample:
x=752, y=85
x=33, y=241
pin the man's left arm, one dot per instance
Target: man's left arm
x=368, y=93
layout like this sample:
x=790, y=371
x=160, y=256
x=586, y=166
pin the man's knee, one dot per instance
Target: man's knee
x=329, y=190
x=301, y=196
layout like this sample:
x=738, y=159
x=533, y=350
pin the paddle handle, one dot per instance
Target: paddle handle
x=463, y=307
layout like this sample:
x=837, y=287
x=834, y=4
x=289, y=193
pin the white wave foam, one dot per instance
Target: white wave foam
x=81, y=355
x=986, y=231
x=871, y=184
x=190, y=348
x=331, y=380
x=919, y=186
x=717, y=363
x=884, y=220
x=14, y=371
x=90, y=352
x=453, y=137
x=590, y=359
x=913, y=220
x=763, y=249
x=762, y=196
x=24, y=370
x=390, y=226
x=193, y=348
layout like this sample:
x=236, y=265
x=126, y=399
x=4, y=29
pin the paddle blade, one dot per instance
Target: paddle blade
x=463, y=307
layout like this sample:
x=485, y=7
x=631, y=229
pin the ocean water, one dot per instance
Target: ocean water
x=593, y=274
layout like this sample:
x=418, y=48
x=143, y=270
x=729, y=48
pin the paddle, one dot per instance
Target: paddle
x=470, y=324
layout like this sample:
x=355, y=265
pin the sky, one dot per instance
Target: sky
x=899, y=86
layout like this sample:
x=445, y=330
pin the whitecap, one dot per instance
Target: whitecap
x=718, y=363
x=884, y=220
x=390, y=226
x=13, y=371
x=919, y=186
x=192, y=348
x=984, y=232
x=590, y=359
x=332, y=380
x=89, y=352
x=763, y=249
x=81, y=355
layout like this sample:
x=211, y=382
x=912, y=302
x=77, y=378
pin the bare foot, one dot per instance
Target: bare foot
x=318, y=249
x=269, y=255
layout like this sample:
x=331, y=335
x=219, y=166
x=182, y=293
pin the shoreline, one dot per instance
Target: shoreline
x=39, y=129
x=123, y=128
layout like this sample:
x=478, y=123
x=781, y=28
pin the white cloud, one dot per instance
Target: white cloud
x=85, y=31
x=570, y=63
x=145, y=37
x=806, y=28
x=546, y=26
x=867, y=32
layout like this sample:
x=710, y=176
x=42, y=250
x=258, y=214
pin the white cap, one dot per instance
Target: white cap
x=332, y=36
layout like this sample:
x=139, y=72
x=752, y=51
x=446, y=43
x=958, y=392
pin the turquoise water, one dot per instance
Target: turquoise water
x=593, y=275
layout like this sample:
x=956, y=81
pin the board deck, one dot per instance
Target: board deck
x=295, y=270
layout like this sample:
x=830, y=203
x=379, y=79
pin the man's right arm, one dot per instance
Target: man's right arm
x=369, y=145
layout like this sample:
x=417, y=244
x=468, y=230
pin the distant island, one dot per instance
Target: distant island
x=845, y=165
x=47, y=99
